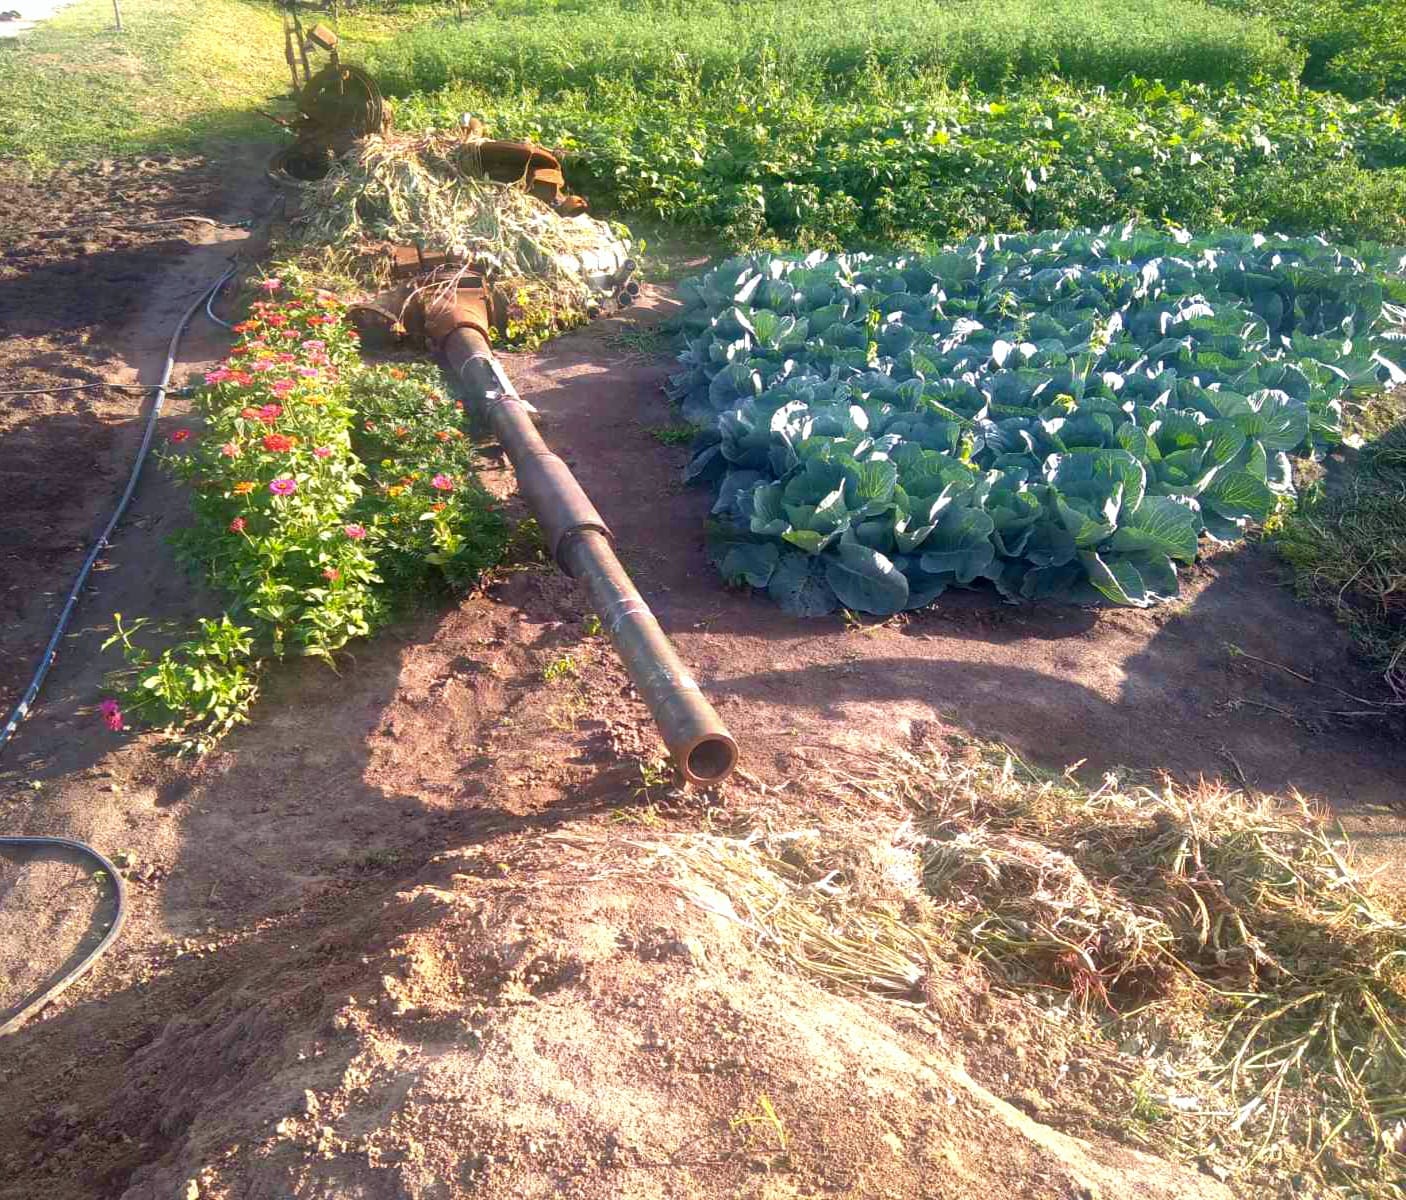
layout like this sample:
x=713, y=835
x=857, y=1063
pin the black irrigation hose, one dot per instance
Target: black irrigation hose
x=143, y=388
x=119, y=917
x=51, y=652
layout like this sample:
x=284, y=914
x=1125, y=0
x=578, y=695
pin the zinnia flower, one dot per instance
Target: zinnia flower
x=283, y=486
x=237, y=525
x=308, y=372
x=230, y=450
x=442, y=435
x=180, y=435
x=281, y=387
x=243, y=488
x=269, y=413
x=263, y=364
x=112, y=714
x=249, y=414
x=218, y=375
x=278, y=443
x=271, y=285
x=323, y=452
x=355, y=532
x=442, y=483
x=314, y=344
x=438, y=506
x=276, y=320
x=331, y=573
x=245, y=326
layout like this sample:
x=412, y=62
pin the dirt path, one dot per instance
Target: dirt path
x=350, y=899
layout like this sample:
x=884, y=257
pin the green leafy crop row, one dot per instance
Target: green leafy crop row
x=1062, y=415
x=758, y=159
x=1357, y=47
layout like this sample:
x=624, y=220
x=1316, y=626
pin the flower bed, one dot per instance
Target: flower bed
x=326, y=494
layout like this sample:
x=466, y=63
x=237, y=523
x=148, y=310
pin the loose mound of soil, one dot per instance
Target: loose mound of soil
x=550, y=1016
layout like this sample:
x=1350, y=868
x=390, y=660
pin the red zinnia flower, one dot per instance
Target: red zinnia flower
x=180, y=435
x=237, y=525
x=277, y=443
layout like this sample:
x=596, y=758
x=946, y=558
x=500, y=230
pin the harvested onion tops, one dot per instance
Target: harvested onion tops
x=422, y=191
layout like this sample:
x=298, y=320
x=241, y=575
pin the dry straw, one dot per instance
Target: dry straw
x=1230, y=932
x=426, y=191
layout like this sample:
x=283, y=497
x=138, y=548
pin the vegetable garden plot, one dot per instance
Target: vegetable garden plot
x=1061, y=414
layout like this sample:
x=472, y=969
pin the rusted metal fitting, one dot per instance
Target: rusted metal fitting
x=466, y=307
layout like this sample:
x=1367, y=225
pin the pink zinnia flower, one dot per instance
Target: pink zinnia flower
x=230, y=450
x=285, y=357
x=112, y=714
x=269, y=413
x=262, y=365
x=308, y=372
x=281, y=387
x=314, y=344
x=283, y=487
x=180, y=435
x=355, y=532
x=271, y=285
x=443, y=483
x=331, y=573
x=322, y=452
x=237, y=525
x=218, y=375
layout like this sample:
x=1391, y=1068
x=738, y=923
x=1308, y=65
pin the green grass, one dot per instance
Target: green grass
x=177, y=78
x=1347, y=545
x=556, y=46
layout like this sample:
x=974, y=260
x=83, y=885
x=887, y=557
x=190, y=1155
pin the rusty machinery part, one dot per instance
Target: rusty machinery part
x=581, y=544
x=398, y=315
x=536, y=169
x=340, y=104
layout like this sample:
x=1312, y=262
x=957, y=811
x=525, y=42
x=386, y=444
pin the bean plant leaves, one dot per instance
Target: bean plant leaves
x=1064, y=415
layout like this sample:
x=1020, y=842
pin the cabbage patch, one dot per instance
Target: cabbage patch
x=1060, y=415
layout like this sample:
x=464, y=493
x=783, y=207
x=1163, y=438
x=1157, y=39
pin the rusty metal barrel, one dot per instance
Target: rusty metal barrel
x=581, y=544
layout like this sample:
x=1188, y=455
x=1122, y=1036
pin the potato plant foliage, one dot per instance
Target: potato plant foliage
x=1063, y=415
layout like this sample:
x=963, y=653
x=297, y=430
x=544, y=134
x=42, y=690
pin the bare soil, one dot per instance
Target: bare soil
x=416, y=931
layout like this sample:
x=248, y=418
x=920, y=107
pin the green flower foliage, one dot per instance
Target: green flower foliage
x=1062, y=415
x=327, y=495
